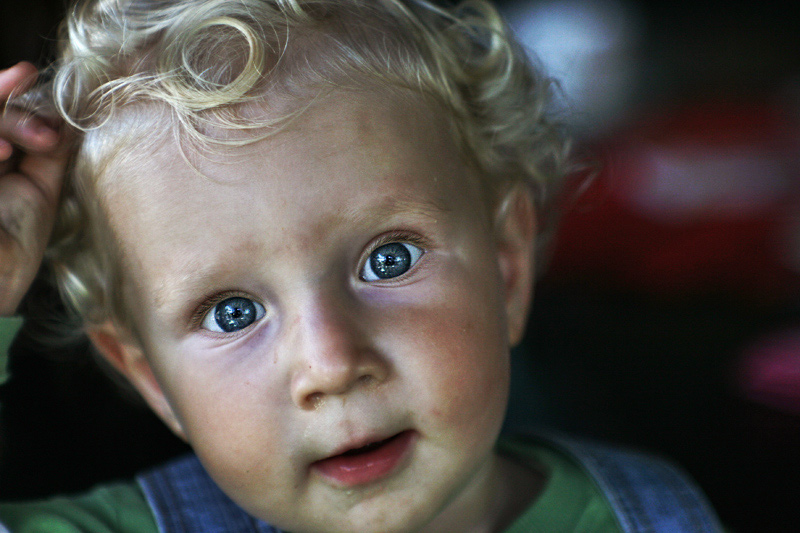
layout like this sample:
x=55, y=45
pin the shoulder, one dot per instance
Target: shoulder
x=641, y=492
x=118, y=508
x=183, y=497
x=569, y=500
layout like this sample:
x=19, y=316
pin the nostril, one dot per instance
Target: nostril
x=315, y=399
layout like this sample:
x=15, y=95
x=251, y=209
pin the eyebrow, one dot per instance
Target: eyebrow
x=392, y=205
x=193, y=276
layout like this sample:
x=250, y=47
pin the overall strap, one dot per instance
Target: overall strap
x=184, y=499
x=647, y=494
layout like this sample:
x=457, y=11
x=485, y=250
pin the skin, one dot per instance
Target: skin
x=32, y=161
x=335, y=361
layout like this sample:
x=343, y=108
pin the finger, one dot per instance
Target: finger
x=9, y=163
x=5, y=151
x=25, y=224
x=17, y=79
x=27, y=130
x=46, y=172
x=44, y=169
x=16, y=125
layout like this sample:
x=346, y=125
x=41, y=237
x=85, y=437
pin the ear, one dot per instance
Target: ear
x=515, y=228
x=126, y=357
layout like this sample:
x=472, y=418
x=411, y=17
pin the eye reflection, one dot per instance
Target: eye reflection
x=233, y=314
x=390, y=260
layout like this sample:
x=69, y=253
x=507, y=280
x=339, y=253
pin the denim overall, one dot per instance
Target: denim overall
x=647, y=495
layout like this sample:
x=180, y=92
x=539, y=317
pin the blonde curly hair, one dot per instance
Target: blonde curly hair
x=196, y=62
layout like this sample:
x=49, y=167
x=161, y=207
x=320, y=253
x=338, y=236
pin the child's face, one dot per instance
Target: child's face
x=368, y=300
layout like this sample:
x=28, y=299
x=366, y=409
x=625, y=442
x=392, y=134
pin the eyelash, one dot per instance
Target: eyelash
x=397, y=236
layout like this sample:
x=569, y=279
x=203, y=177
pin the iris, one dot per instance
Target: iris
x=233, y=314
x=390, y=260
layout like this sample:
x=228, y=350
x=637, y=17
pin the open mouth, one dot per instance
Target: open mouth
x=369, y=447
x=368, y=463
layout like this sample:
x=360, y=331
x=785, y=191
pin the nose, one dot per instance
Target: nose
x=333, y=354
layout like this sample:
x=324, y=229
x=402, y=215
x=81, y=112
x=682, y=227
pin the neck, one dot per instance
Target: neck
x=503, y=490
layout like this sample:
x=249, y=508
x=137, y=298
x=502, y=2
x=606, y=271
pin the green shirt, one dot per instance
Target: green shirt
x=8, y=329
x=116, y=508
x=570, y=501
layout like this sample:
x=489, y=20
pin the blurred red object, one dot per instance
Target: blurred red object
x=700, y=200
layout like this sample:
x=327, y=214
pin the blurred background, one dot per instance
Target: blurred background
x=669, y=318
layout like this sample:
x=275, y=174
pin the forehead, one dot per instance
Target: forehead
x=351, y=158
x=383, y=125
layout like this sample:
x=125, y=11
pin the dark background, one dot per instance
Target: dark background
x=644, y=327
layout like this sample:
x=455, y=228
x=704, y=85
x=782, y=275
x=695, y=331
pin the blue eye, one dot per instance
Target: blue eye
x=390, y=260
x=233, y=314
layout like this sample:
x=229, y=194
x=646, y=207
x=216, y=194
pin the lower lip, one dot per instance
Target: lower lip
x=352, y=470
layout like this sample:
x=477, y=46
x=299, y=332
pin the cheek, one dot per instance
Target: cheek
x=226, y=410
x=232, y=428
x=461, y=361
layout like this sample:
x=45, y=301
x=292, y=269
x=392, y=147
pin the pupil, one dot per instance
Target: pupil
x=390, y=260
x=234, y=314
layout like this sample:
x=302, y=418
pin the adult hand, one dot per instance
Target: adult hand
x=33, y=159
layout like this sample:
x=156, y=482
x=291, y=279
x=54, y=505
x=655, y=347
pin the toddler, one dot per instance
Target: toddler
x=304, y=231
